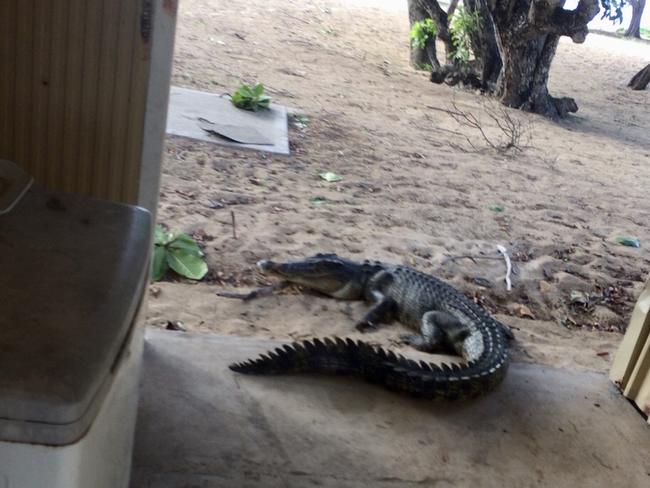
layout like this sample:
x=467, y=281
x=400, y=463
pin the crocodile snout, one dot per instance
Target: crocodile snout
x=266, y=265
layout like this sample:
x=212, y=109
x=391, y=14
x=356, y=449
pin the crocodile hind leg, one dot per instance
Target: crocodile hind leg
x=438, y=331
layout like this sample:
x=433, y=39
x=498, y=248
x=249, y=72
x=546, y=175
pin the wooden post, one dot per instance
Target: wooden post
x=83, y=94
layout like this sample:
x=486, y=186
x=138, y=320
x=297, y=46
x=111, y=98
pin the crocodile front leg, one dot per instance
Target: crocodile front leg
x=383, y=311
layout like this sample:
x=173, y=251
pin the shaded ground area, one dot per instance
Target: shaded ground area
x=413, y=191
x=199, y=426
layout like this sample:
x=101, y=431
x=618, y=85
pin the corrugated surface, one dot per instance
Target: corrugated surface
x=73, y=82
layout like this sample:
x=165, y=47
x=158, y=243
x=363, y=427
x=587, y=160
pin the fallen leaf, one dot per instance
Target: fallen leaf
x=521, y=310
x=215, y=204
x=330, y=176
x=318, y=200
x=300, y=121
x=497, y=208
x=579, y=297
x=602, y=354
x=545, y=287
x=628, y=241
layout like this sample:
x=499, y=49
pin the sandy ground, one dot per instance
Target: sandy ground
x=413, y=190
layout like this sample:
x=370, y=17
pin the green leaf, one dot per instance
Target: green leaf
x=628, y=241
x=318, y=200
x=300, y=121
x=158, y=234
x=462, y=27
x=330, y=176
x=159, y=266
x=421, y=32
x=162, y=237
x=496, y=208
x=187, y=264
x=251, y=98
x=185, y=242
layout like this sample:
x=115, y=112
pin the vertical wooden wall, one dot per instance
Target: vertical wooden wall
x=73, y=91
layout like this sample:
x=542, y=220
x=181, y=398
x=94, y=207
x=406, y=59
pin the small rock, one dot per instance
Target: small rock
x=175, y=325
x=520, y=310
x=605, y=316
x=545, y=287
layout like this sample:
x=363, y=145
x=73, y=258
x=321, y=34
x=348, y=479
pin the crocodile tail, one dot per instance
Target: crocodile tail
x=376, y=365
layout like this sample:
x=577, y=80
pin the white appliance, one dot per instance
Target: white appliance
x=73, y=271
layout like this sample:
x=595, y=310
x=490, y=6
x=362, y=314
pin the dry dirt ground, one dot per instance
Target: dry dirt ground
x=413, y=190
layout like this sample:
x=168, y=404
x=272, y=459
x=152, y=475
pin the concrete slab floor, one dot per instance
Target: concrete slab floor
x=187, y=107
x=201, y=426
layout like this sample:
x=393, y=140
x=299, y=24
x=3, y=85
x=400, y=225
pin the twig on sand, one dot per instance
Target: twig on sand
x=234, y=227
x=503, y=251
x=453, y=259
x=265, y=291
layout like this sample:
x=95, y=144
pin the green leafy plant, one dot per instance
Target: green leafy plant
x=464, y=24
x=424, y=67
x=300, y=121
x=179, y=252
x=251, y=98
x=421, y=32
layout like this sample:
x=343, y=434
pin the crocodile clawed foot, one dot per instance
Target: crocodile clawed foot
x=365, y=326
x=409, y=339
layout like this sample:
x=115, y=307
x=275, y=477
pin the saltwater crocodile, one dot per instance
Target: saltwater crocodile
x=444, y=317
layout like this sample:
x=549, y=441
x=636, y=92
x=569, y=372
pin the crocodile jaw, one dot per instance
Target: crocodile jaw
x=343, y=281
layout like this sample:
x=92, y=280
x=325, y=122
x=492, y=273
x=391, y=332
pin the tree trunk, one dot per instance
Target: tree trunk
x=485, y=47
x=452, y=8
x=640, y=80
x=514, y=48
x=634, y=29
x=527, y=37
x=421, y=57
x=525, y=77
x=441, y=19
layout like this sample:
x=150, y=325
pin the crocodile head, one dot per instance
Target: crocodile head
x=326, y=273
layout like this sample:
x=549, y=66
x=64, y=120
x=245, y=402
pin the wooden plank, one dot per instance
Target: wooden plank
x=137, y=101
x=23, y=77
x=41, y=54
x=106, y=90
x=636, y=336
x=86, y=137
x=56, y=165
x=74, y=74
x=73, y=108
x=638, y=388
x=7, y=82
x=121, y=107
